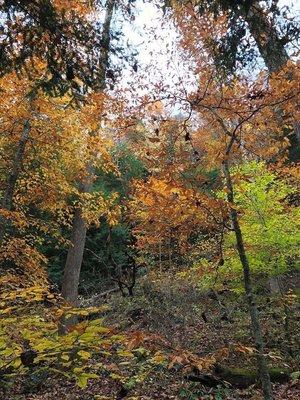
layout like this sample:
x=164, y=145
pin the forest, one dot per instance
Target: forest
x=149, y=199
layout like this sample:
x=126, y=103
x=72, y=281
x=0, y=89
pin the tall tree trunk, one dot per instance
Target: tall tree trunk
x=256, y=327
x=273, y=52
x=72, y=268
x=159, y=256
x=269, y=44
x=74, y=258
x=7, y=200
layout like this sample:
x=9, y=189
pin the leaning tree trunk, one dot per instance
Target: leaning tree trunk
x=7, y=200
x=72, y=268
x=256, y=327
x=265, y=34
x=273, y=52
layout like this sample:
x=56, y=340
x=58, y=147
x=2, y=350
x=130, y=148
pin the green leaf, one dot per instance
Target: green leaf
x=82, y=381
x=125, y=353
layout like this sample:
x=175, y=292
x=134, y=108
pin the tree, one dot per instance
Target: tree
x=263, y=24
x=104, y=242
x=168, y=207
x=225, y=125
x=228, y=43
x=256, y=327
x=230, y=115
x=60, y=32
x=33, y=128
x=72, y=269
x=40, y=182
x=267, y=220
x=110, y=254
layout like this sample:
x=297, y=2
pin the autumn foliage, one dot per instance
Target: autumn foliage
x=197, y=181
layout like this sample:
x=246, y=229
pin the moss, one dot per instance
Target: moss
x=244, y=377
x=279, y=374
x=296, y=291
x=240, y=377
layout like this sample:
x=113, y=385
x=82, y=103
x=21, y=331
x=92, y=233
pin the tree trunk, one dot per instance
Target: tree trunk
x=256, y=327
x=159, y=256
x=270, y=46
x=103, y=61
x=74, y=259
x=170, y=252
x=273, y=52
x=72, y=268
x=7, y=200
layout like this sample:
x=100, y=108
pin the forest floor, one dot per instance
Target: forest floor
x=205, y=338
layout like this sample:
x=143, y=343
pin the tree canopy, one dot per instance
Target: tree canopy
x=146, y=213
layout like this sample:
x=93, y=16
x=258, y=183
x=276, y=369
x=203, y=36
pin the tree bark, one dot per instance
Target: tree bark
x=273, y=52
x=7, y=200
x=269, y=44
x=70, y=282
x=159, y=256
x=256, y=327
x=74, y=259
x=103, y=61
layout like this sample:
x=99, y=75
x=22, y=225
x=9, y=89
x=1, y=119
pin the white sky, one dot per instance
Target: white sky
x=148, y=20
x=155, y=39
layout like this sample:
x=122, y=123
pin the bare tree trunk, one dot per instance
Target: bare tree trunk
x=7, y=200
x=74, y=259
x=103, y=61
x=256, y=327
x=170, y=251
x=159, y=256
x=72, y=268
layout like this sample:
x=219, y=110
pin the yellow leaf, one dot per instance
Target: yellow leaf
x=7, y=352
x=83, y=378
x=116, y=377
x=125, y=353
x=158, y=358
x=16, y=363
x=82, y=381
x=84, y=354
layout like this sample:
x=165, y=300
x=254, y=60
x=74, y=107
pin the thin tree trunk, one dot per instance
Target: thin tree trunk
x=159, y=256
x=73, y=264
x=170, y=252
x=256, y=327
x=104, y=56
x=7, y=200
